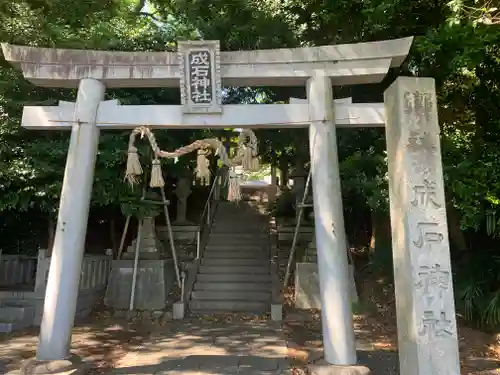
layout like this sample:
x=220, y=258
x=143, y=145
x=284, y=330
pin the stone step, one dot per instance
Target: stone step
x=15, y=316
x=225, y=306
x=224, y=215
x=231, y=227
x=250, y=270
x=8, y=327
x=240, y=223
x=233, y=255
x=230, y=277
x=236, y=247
x=239, y=236
x=234, y=262
x=11, y=313
x=238, y=241
x=209, y=295
x=255, y=236
x=232, y=286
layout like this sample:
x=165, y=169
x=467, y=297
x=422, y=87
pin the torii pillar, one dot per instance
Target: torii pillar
x=200, y=69
x=68, y=248
x=336, y=309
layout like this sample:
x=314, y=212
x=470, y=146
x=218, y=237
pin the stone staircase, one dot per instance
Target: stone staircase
x=234, y=275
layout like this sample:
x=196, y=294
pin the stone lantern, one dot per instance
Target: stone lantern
x=183, y=191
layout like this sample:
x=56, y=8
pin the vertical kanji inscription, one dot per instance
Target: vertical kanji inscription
x=200, y=76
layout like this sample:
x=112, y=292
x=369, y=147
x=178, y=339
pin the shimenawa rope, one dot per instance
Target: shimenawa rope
x=246, y=155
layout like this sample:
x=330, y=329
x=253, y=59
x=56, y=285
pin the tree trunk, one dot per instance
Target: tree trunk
x=283, y=172
x=51, y=235
x=456, y=235
x=381, y=231
x=114, y=240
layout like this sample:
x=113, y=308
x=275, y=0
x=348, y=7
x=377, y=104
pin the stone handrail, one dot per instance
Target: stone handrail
x=191, y=272
x=208, y=213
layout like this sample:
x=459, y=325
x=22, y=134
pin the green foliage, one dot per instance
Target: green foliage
x=476, y=287
x=138, y=208
x=259, y=175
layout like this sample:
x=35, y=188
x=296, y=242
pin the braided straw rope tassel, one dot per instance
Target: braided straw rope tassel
x=156, y=174
x=247, y=155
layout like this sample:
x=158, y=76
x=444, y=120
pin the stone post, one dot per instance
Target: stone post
x=182, y=191
x=41, y=271
x=67, y=254
x=273, y=187
x=299, y=176
x=427, y=332
x=338, y=329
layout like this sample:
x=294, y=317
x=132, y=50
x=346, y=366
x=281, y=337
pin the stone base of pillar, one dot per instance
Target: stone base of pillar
x=73, y=365
x=178, y=310
x=324, y=368
x=276, y=312
x=155, y=279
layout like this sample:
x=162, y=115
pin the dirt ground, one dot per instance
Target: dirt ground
x=376, y=333
x=105, y=341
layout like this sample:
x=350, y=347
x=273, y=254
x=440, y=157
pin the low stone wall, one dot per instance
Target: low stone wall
x=94, y=272
x=16, y=270
x=93, y=280
x=154, y=281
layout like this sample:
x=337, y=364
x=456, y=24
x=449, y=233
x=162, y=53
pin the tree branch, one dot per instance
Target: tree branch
x=149, y=15
x=139, y=6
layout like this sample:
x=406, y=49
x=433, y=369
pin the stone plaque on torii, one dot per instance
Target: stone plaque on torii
x=199, y=63
x=428, y=337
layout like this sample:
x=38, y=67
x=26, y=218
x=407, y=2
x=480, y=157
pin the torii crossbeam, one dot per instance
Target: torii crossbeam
x=111, y=115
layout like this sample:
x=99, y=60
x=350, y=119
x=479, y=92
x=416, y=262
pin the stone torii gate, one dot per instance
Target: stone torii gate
x=424, y=293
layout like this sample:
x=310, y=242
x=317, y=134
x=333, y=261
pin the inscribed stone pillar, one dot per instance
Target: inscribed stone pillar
x=182, y=191
x=67, y=254
x=336, y=313
x=427, y=332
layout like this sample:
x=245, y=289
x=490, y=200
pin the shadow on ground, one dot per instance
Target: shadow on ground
x=210, y=364
x=377, y=344
x=123, y=347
